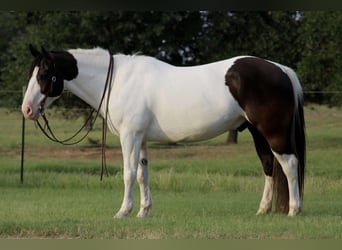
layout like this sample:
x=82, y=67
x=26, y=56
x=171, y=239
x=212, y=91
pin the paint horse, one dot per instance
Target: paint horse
x=151, y=100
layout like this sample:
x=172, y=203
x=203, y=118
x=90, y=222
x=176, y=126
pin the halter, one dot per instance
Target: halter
x=42, y=102
x=47, y=131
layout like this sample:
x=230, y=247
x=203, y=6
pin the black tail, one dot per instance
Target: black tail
x=298, y=142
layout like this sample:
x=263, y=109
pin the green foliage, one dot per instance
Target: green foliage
x=262, y=34
x=154, y=33
x=12, y=26
x=321, y=65
x=309, y=40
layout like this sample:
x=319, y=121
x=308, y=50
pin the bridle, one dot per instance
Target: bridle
x=47, y=131
x=42, y=102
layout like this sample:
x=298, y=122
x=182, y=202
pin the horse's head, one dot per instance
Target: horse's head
x=47, y=74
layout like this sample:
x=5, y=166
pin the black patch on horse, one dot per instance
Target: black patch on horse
x=54, y=68
x=266, y=95
x=253, y=81
x=144, y=162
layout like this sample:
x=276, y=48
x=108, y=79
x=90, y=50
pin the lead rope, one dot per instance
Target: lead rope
x=105, y=119
x=50, y=135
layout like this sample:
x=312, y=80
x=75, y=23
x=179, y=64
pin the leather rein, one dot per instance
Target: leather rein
x=47, y=131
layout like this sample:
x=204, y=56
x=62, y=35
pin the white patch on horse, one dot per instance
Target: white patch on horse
x=32, y=96
x=266, y=200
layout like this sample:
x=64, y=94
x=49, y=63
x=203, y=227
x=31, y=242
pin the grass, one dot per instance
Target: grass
x=203, y=190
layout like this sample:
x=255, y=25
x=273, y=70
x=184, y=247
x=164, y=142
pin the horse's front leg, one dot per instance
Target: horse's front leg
x=145, y=194
x=131, y=144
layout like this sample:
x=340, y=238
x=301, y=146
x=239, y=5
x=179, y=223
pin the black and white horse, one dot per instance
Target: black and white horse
x=151, y=100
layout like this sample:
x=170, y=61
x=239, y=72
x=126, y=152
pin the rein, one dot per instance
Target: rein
x=47, y=131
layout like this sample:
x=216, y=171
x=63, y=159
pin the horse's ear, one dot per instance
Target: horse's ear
x=45, y=53
x=33, y=50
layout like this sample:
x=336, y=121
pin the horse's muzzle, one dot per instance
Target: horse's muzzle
x=29, y=112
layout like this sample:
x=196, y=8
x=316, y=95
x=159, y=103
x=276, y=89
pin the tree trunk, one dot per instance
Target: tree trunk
x=232, y=137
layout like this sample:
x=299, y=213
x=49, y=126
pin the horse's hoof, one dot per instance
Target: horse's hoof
x=294, y=211
x=143, y=212
x=263, y=211
x=120, y=215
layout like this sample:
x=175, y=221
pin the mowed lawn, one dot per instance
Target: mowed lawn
x=206, y=190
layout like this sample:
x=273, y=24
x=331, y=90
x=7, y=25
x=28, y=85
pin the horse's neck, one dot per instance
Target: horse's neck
x=90, y=81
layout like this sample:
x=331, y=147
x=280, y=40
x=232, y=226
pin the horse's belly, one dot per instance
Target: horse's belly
x=190, y=129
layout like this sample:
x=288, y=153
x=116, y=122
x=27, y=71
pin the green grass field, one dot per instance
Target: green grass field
x=204, y=190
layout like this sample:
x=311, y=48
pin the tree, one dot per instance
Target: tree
x=320, y=66
x=232, y=137
x=162, y=34
x=263, y=34
x=309, y=40
x=11, y=27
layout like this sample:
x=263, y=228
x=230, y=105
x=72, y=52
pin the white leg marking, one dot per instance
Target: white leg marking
x=131, y=144
x=289, y=163
x=266, y=200
x=145, y=194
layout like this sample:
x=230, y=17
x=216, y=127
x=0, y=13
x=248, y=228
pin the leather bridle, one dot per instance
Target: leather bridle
x=47, y=131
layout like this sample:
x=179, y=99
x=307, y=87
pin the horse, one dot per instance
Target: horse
x=151, y=100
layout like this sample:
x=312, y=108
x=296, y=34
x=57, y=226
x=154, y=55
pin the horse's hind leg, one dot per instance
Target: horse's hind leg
x=289, y=164
x=288, y=199
x=145, y=194
x=288, y=194
x=266, y=156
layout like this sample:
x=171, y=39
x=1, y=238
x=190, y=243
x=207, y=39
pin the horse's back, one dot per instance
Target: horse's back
x=183, y=103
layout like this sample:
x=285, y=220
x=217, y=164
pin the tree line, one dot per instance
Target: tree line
x=309, y=42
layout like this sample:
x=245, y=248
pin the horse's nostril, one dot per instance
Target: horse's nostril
x=28, y=111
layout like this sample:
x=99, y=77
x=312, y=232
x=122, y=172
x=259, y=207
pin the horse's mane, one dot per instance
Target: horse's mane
x=94, y=51
x=100, y=52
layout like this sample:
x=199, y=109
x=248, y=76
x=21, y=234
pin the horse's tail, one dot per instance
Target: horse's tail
x=298, y=146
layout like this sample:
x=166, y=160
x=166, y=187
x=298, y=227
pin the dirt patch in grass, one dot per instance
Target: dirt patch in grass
x=115, y=153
